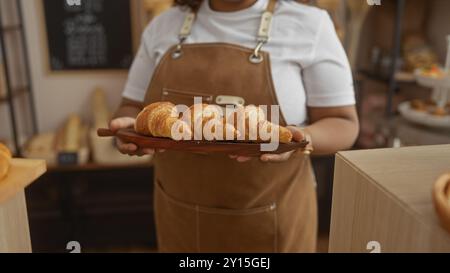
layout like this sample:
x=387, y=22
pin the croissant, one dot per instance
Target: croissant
x=5, y=160
x=252, y=125
x=158, y=119
x=205, y=121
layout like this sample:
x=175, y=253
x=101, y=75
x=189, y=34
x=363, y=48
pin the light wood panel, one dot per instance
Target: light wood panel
x=21, y=174
x=14, y=230
x=386, y=196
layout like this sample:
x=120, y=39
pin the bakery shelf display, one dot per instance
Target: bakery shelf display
x=436, y=111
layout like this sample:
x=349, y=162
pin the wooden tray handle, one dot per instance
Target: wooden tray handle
x=103, y=132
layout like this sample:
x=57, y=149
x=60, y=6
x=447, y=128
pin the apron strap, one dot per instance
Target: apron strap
x=263, y=32
x=262, y=38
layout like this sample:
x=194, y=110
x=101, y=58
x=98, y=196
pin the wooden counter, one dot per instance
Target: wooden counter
x=385, y=196
x=14, y=230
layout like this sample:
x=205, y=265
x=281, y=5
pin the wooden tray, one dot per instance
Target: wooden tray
x=226, y=147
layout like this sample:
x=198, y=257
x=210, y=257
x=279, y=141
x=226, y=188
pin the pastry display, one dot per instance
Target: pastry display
x=417, y=53
x=433, y=71
x=5, y=160
x=428, y=107
x=71, y=137
x=419, y=105
x=161, y=119
x=439, y=112
x=41, y=146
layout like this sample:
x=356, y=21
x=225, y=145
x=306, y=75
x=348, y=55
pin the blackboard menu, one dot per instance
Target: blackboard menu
x=88, y=34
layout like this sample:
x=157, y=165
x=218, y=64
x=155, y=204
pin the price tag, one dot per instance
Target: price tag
x=65, y=159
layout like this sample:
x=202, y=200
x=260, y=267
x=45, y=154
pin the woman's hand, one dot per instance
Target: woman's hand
x=127, y=148
x=297, y=135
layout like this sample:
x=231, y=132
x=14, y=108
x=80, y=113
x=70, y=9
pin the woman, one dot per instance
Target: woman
x=266, y=52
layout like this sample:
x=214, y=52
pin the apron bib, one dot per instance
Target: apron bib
x=211, y=203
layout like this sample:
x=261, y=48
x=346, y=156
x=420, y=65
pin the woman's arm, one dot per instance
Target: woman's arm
x=128, y=108
x=332, y=129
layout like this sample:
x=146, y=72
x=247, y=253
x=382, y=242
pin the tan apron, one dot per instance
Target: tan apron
x=211, y=203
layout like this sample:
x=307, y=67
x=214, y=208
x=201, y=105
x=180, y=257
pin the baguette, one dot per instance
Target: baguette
x=5, y=160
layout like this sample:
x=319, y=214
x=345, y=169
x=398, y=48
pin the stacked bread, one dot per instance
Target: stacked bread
x=5, y=160
x=249, y=123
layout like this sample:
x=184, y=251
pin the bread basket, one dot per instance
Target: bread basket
x=441, y=199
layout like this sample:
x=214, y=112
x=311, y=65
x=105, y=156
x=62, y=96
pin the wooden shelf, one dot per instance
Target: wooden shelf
x=16, y=92
x=96, y=167
x=21, y=174
x=372, y=76
x=12, y=27
x=400, y=77
x=406, y=77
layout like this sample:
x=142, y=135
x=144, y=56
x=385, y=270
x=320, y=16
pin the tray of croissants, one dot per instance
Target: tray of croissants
x=204, y=128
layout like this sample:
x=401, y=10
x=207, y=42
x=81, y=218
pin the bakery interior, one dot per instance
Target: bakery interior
x=65, y=184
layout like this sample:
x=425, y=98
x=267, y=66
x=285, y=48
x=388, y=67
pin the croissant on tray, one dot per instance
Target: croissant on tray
x=208, y=122
x=160, y=119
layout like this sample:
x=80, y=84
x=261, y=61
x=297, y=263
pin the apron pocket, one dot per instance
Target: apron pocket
x=231, y=230
x=176, y=224
x=184, y=227
x=184, y=97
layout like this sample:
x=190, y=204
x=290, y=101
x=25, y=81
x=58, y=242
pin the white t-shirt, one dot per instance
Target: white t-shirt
x=309, y=64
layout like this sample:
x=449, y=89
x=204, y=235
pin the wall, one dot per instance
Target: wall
x=439, y=27
x=58, y=95
x=17, y=75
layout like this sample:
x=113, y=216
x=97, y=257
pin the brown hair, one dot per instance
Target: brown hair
x=195, y=4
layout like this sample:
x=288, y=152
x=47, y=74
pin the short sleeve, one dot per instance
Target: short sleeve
x=328, y=78
x=141, y=70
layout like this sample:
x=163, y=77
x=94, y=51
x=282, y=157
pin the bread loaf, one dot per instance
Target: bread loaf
x=5, y=160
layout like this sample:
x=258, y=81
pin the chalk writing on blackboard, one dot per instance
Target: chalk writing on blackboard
x=89, y=34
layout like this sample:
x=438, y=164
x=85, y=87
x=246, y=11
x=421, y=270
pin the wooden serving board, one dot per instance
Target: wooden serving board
x=22, y=173
x=199, y=146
